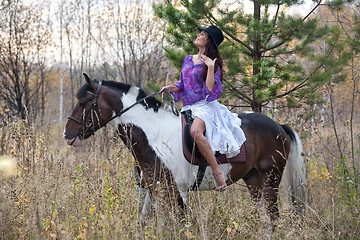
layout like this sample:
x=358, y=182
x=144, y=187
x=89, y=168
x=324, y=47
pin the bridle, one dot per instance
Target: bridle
x=94, y=105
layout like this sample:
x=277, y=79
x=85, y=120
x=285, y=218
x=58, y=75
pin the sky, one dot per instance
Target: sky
x=53, y=6
x=301, y=10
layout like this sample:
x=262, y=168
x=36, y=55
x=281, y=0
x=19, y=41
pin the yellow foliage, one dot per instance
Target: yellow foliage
x=325, y=173
x=92, y=210
x=248, y=70
x=236, y=225
x=189, y=235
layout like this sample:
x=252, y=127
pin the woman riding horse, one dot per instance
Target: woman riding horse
x=200, y=86
x=152, y=132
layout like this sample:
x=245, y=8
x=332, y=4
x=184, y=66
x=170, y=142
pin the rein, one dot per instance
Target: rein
x=174, y=110
x=94, y=104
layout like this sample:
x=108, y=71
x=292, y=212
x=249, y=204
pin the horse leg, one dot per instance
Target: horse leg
x=253, y=182
x=263, y=188
x=166, y=204
x=143, y=196
x=271, y=180
x=140, y=189
x=270, y=196
x=145, y=209
x=166, y=199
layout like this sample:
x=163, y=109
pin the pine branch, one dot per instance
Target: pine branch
x=243, y=96
x=280, y=43
x=274, y=24
x=214, y=21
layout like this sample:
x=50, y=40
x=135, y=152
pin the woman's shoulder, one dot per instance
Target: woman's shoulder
x=188, y=57
x=188, y=60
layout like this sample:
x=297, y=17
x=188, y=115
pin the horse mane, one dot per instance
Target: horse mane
x=150, y=102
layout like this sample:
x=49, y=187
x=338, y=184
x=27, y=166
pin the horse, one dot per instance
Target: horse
x=152, y=132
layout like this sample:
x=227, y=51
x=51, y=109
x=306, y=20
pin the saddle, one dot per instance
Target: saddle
x=191, y=151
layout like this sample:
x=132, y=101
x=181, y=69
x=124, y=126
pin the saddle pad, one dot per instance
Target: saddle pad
x=197, y=158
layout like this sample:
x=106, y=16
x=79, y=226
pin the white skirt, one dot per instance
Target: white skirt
x=223, y=128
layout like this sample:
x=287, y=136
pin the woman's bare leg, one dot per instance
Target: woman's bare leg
x=197, y=132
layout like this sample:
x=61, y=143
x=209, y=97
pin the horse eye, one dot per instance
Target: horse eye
x=82, y=104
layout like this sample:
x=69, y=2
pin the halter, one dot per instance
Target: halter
x=94, y=105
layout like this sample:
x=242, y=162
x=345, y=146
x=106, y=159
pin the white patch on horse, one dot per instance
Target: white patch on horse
x=163, y=132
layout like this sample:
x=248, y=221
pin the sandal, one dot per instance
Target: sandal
x=221, y=188
x=220, y=178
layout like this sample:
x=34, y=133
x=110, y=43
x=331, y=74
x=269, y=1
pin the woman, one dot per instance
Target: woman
x=200, y=86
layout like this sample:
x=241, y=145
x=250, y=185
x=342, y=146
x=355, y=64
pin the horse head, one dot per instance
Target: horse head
x=93, y=110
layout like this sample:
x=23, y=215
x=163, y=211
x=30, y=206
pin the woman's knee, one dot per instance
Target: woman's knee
x=197, y=129
x=194, y=131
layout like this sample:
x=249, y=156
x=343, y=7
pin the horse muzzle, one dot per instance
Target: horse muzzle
x=75, y=142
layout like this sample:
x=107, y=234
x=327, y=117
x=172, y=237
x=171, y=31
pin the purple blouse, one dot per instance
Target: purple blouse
x=192, y=86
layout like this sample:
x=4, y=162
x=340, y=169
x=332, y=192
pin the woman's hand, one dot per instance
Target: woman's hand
x=210, y=81
x=170, y=88
x=208, y=61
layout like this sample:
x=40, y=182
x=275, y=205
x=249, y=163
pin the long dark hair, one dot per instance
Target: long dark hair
x=213, y=52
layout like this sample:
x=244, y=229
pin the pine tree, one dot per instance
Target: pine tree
x=269, y=54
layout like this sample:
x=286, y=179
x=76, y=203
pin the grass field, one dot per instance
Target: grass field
x=60, y=192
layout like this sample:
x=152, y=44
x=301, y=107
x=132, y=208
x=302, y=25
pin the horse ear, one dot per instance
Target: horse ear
x=87, y=79
x=90, y=82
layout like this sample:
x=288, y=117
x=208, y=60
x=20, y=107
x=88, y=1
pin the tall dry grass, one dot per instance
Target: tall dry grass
x=60, y=192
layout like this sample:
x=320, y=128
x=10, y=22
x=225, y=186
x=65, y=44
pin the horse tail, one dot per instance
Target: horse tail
x=294, y=174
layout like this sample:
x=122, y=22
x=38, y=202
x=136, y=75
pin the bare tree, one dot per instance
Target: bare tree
x=61, y=69
x=132, y=39
x=78, y=30
x=44, y=41
x=70, y=18
x=19, y=45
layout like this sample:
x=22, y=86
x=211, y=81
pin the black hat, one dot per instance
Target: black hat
x=215, y=34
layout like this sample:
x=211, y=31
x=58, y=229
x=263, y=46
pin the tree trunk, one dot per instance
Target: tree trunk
x=61, y=76
x=255, y=105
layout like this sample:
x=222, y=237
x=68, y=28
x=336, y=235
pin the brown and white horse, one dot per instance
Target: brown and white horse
x=153, y=134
